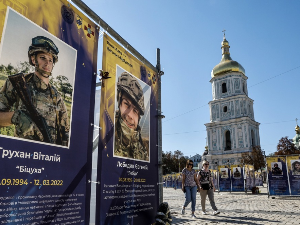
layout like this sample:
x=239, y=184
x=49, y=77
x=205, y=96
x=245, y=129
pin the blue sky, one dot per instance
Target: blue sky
x=264, y=37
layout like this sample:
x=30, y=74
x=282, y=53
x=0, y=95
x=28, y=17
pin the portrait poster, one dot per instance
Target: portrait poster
x=128, y=139
x=179, y=182
x=214, y=174
x=48, y=55
x=249, y=176
x=169, y=181
x=224, y=178
x=257, y=175
x=277, y=175
x=293, y=164
x=237, y=178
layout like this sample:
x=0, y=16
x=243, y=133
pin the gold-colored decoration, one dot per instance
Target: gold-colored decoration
x=226, y=64
x=297, y=129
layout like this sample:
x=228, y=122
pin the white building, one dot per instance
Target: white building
x=232, y=129
x=196, y=160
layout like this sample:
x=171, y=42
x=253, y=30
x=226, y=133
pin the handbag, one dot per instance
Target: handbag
x=205, y=186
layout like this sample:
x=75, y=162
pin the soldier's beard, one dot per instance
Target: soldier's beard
x=43, y=72
x=129, y=135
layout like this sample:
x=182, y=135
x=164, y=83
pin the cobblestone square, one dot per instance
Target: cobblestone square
x=237, y=208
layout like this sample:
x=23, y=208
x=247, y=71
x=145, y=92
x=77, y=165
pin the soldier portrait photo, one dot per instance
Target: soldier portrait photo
x=132, y=119
x=236, y=172
x=295, y=167
x=35, y=99
x=276, y=168
x=224, y=172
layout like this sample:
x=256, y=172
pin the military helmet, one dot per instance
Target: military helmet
x=129, y=84
x=42, y=44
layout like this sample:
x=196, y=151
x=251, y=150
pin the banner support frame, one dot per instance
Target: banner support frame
x=159, y=124
x=81, y=5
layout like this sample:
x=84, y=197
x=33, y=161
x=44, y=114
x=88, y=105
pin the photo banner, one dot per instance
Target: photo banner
x=249, y=175
x=48, y=55
x=224, y=178
x=293, y=165
x=237, y=178
x=258, y=178
x=214, y=175
x=128, y=163
x=277, y=175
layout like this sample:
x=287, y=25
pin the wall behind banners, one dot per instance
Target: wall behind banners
x=128, y=187
x=50, y=179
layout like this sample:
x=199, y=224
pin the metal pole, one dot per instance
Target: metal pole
x=159, y=126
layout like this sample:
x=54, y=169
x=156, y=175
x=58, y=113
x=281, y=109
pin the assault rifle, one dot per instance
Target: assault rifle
x=20, y=85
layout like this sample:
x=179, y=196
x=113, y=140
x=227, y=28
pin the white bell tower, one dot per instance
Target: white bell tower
x=232, y=129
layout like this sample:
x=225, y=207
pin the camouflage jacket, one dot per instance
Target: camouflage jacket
x=48, y=103
x=129, y=145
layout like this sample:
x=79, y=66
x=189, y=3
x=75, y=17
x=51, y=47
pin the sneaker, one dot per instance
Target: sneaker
x=193, y=216
x=216, y=212
x=204, y=213
x=183, y=210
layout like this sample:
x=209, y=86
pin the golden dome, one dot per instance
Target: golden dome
x=226, y=64
x=297, y=129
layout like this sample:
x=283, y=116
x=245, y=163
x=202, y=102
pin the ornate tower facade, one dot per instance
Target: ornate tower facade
x=232, y=129
x=296, y=139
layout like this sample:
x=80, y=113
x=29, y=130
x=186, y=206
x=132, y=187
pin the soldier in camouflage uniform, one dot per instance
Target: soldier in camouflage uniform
x=130, y=98
x=42, y=55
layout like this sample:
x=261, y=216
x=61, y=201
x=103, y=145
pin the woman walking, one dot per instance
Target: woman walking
x=207, y=188
x=189, y=186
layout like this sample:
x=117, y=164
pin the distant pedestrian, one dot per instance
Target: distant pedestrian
x=207, y=188
x=189, y=186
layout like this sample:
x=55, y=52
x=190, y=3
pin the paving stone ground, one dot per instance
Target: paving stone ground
x=237, y=208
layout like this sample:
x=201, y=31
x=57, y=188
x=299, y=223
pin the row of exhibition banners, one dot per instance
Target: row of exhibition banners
x=283, y=175
x=230, y=179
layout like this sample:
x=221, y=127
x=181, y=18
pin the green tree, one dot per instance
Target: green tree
x=286, y=147
x=167, y=162
x=9, y=131
x=173, y=162
x=24, y=67
x=62, y=84
x=2, y=68
x=256, y=158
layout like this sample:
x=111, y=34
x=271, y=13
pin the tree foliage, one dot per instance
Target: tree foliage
x=9, y=131
x=172, y=161
x=286, y=147
x=62, y=84
x=22, y=67
x=255, y=157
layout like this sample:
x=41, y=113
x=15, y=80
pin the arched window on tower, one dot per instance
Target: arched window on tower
x=224, y=88
x=227, y=140
x=252, y=138
x=225, y=109
x=244, y=87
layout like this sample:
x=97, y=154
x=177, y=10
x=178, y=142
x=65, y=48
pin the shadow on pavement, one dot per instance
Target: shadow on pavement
x=225, y=219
